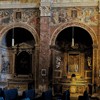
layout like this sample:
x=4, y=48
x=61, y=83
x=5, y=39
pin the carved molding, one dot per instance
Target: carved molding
x=55, y=3
x=23, y=47
x=18, y=5
x=74, y=4
x=70, y=4
x=45, y=0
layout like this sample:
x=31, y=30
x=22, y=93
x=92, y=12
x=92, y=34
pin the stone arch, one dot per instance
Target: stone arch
x=85, y=27
x=21, y=25
x=35, y=34
x=93, y=36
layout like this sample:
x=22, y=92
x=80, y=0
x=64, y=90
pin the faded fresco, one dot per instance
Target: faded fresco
x=5, y=61
x=21, y=15
x=87, y=15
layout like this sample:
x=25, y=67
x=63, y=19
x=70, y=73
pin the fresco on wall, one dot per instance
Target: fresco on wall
x=84, y=15
x=5, y=16
x=5, y=65
x=23, y=15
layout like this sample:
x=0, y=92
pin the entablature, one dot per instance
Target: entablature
x=52, y=3
x=16, y=4
x=74, y=4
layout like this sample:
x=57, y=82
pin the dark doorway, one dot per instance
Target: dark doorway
x=23, y=64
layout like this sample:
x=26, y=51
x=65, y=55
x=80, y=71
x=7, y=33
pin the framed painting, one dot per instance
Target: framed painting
x=73, y=63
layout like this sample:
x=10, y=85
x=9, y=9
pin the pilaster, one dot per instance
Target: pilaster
x=36, y=66
x=98, y=79
x=44, y=55
x=94, y=69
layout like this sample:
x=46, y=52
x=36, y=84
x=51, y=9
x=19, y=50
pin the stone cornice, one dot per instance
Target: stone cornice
x=74, y=4
x=18, y=5
x=33, y=5
x=70, y=4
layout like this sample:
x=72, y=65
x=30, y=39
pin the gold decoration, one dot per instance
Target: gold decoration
x=73, y=89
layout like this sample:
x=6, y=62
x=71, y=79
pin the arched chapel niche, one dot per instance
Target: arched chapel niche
x=79, y=59
x=23, y=41
x=19, y=59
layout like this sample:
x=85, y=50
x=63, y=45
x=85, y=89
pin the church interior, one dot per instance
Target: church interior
x=49, y=49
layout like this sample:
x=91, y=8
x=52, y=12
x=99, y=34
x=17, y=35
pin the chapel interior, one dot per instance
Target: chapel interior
x=50, y=48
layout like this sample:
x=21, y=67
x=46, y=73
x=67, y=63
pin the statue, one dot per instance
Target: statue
x=89, y=61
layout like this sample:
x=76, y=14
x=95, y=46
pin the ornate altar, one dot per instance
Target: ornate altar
x=75, y=85
x=17, y=69
x=75, y=66
x=20, y=82
x=72, y=63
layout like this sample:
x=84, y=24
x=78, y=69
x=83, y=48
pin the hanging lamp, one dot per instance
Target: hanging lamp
x=13, y=37
x=73, y=41
x=13, y=34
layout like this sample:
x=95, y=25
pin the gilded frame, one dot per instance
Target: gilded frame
x=73, y=63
